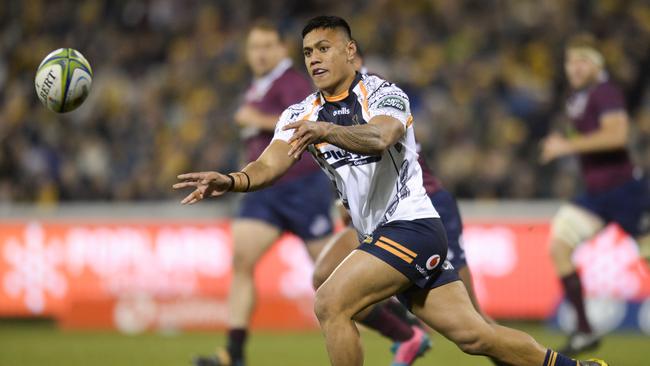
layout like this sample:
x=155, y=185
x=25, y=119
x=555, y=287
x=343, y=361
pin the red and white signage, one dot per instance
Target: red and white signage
x=167, y=275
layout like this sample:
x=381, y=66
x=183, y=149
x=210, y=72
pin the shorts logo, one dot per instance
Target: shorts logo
x=433, y=262
x=397, y=249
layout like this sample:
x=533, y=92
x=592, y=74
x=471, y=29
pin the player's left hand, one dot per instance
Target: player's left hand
x=304, y=134
x=554, y=146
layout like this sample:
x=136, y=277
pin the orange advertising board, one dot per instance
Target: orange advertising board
x=141, y=275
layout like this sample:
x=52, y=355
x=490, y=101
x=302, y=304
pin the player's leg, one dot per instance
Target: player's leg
x=570, y=227
x=448, y=310
x=397, y=255
x=251, y=239
x=358, y=282
x=410, y=342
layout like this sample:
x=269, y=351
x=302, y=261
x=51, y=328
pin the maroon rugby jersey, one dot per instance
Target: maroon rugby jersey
x=272, y=94
x=431, y=183
x=601, y=170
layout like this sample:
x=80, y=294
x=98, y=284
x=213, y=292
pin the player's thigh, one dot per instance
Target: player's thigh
x=573, y=224
x=251, y=239
x=339, y=246
x=448, y=310
x=316, y=246
x=359, y=281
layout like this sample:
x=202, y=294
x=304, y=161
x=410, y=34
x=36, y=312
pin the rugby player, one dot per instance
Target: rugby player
x=346, y=241
x=299, y=202
x=359, y=130
x=615, y=190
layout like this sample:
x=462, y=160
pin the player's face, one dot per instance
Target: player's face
x=580, y=70
x=264, y=50
x=328, y=56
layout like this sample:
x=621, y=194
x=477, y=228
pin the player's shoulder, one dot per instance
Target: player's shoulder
x=607, y=95
x=379, y=88
x=299, y=110
x=606, y=88
x=383, y=94
x=375, y=83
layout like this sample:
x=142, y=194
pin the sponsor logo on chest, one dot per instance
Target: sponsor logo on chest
x=341, y=111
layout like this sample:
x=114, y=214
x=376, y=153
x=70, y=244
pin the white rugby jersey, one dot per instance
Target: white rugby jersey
x=375, y=189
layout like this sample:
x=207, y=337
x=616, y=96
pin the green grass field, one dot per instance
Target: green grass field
x=27, y=343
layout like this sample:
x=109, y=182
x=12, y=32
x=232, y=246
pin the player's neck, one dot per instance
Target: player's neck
x=340, y=88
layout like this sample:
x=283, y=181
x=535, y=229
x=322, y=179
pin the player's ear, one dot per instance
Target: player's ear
x=351, y=50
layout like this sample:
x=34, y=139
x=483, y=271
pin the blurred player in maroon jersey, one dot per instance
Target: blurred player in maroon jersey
x=299, y=202
x=615, y=190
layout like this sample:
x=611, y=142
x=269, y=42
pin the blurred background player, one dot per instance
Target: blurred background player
x=615, y=190
x=345, y=242
x=266, y=214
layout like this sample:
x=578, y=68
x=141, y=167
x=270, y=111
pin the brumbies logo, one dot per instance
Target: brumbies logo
x=433, y=262
x=393, y=102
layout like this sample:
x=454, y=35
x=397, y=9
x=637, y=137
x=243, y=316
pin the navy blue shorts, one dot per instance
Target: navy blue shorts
x=418, y=249
x=627, y=205
x=301, y=206
x=447, y=207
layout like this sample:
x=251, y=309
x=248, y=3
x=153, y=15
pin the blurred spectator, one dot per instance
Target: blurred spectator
x=483, y=76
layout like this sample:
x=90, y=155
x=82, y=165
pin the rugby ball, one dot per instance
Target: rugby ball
x=63, y=80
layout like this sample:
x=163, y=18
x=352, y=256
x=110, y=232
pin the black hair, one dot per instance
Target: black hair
x=328, y=22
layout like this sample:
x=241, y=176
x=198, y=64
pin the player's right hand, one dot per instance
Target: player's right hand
x=206, y=184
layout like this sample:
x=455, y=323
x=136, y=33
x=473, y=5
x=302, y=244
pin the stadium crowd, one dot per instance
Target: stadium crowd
x=485, y=80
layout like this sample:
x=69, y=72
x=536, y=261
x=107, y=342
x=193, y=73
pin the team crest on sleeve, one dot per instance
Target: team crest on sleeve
x=394, y=102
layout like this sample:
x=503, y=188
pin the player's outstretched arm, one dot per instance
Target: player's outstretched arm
x=270, y=166
x=372, y=138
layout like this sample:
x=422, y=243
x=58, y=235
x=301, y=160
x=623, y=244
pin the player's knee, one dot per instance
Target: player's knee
x=322, y=306
x=560, y=250
x=243, y=262
x=326, y=305
x=571, y=226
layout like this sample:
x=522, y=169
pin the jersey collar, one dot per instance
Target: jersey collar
x=345, y=94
